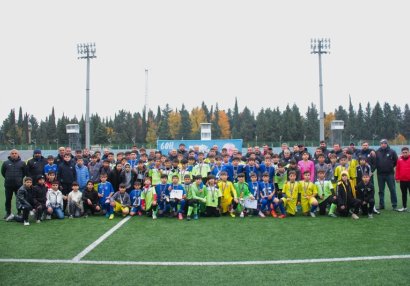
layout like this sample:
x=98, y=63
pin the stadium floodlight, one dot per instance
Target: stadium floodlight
x=320, y=46
x=87, y=51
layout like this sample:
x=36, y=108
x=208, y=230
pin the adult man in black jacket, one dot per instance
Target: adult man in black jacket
x=13, y=170
x=35, y=166
x=66, y=175
x=386, y=159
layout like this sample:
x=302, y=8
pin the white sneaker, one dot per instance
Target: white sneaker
x=376, y=211
x=48, y=217
x=312, y=214
x=154, y=216
x=10, y=217
x=402, y=210
x=354, y=216
x=370, y=216
x=261, y=214
x=26, y=223
x=241, y=215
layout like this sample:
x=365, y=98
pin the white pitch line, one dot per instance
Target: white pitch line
x=210, y=263
x=93, y=245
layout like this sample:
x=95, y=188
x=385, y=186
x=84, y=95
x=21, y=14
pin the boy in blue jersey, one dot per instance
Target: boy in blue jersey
x=105, y=192
x=163, y=195
x=273, y=202
x=217, y=168
x=50, y=166
x=260, y=196
x=177, y=202
x=233, y=170
x=269, y=168
x=191, y=164
x=133, y=160
x=135, y=196
x=251, y=167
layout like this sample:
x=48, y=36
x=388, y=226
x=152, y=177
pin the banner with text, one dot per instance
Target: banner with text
x=165, y=146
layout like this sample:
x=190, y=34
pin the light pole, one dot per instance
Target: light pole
x=29, y=128
x=374, y=137
x=320, y=46
x=87, y=51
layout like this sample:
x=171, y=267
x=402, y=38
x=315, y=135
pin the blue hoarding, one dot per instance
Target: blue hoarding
x=204, y=145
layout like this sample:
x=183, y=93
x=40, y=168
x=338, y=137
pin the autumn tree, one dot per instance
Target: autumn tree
x=224, y=126
x=174, y=123
x=197, y=117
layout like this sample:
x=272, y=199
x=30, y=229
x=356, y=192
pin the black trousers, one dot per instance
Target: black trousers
x=212, y=211
x=324, y=204
x=350, y=204
x=65, y=189
x=40, y=209
x=9, y=197
x=89, y=208
x=26, y=213
x=405, y=188
x=368, y=207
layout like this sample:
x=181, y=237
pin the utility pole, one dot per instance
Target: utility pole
x=87, y=51
x=320, y=46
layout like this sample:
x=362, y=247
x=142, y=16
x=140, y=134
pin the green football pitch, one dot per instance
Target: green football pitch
x=210, y=251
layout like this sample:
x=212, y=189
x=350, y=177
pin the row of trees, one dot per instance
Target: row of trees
x=268, y=125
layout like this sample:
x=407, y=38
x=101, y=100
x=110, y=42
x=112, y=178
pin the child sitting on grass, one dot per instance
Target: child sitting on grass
x=55, y=201
x=121, y=201
x=90, y=199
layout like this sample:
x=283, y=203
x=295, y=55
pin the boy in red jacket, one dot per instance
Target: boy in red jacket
x=403, y=175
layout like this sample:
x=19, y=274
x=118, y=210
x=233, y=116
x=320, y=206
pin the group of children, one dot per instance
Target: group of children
x=232, y=189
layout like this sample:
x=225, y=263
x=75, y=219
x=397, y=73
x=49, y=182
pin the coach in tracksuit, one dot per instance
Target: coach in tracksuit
x=13, y=170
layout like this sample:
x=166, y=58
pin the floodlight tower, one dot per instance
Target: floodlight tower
x=320, y=46
x=146, y=90
x=87, y=51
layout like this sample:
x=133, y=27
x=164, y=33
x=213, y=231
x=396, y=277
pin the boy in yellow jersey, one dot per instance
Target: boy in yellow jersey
x=229, y=200
x=343, y=166
x=352, y=168
x=290, y=194
x=308, y=195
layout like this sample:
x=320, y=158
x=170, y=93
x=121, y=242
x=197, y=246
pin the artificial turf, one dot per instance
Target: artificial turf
x=209, y=239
